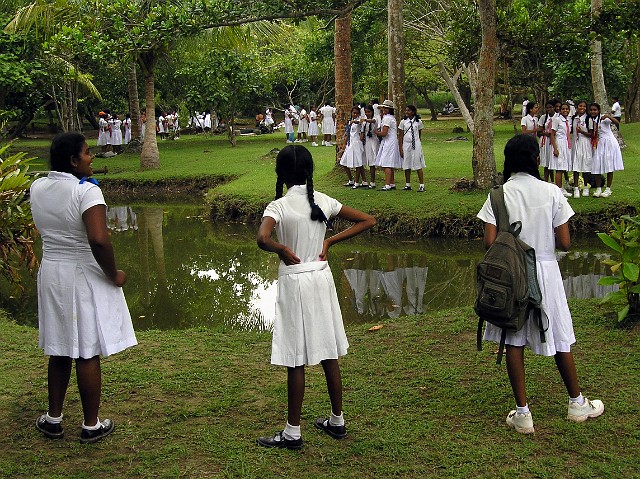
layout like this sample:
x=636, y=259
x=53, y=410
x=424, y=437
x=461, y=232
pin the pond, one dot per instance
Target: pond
x=185, y=271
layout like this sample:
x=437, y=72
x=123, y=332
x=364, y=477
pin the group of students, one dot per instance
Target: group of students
x=581, y=142
x=375, y=139
x=110, y=131
x=310, y=124
x=168, y=126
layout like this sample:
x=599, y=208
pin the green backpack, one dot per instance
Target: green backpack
x=506, y=279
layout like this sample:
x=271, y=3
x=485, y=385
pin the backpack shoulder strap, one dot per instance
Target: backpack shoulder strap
x=499, y=208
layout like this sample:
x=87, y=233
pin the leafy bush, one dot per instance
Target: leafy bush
x=623, y=239
x=17, y=231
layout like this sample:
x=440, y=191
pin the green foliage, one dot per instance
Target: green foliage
x=624, y=241
x=17, y=231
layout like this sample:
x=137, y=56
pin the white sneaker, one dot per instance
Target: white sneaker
x=289, y=141
x=314, y=144
x=576, y=192
x=598, y=193
x=522, y=423
x=588, y=409
x=585, y=192
x=606, y=193
x=566, y=193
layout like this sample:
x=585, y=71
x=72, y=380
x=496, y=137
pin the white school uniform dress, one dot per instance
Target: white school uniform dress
x=143, y=129
x=562, y=127
x=582, y=151
x=354, y=151
x=607, y=156
x=389, y=152
x=288, y=121
x=268, y=117
x=161, y=124
x=308, y=322
x=529, y=122
x=313, y=124
x=103, y=132
x=303, y=124
x=371, y=143
x=546, y=149
x=116, y=133
x=127, y=130
x=411, y=147
x=110, y=132
x=328, y=125
x=541, y=207
x=81, y=313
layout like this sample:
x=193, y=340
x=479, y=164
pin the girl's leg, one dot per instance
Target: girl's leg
x=349, y=176
x=567, y=368
x=295, y=390
x=559, y=178
x=334, y=384
x=546, y=174
x=89, y=378
x=421, y=176
x=58, y=376
x=576, y=179
x=598, y=178
x=387, y=176
x=515, y=370
x=609, y=179
x=360, y=175
x=393, y=176
x=372, y=175
x=407, y=176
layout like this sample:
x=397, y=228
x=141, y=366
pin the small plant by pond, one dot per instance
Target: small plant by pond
x=625, y=268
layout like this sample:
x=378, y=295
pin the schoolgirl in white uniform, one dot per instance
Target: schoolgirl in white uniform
x=529, y=121
x=354, y=151
x=126, y=124
x=544, y=214
x=581, y=151
x=607, y=156
x=327, y=116
x=303, y=126
x=143, y=124
x=308, y=325
x=313, y=126
x=288, y=125
x=116, y=134
x=389, y=153
x=160, y=128
x=371, y=142
x=411, y=147
x=546, y=149
x=103, y=131
x=268, y=119
x=561, y=142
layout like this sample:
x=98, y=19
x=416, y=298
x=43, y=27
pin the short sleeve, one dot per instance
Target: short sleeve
x=273, y=210
x=91, y=197
x=562, y=210
x=420, y=125
x=486, y=212
x=555, y=124
x=335, y=207
x=386, y=121
x=523, y=122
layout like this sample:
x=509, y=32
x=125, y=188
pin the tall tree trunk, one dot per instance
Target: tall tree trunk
x=134, y=102
x=149, y=156
x=343, y=79
x=395, y=45
x=483, y=161
x=632, y=98
x=453, y=88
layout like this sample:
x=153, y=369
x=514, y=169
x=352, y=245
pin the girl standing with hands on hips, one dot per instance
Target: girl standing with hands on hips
x=544, y=213
x=308, y=325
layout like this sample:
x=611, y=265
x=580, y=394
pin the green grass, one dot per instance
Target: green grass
x=253, y=183
x=419, y=402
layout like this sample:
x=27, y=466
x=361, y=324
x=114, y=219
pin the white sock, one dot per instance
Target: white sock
x=292, y=432
x=53, y=420
x=421, y=185
x=407, y=184
x=336, y=420
x=92, y=428
x=579, y=399
x=522, y=410
x=392, y=184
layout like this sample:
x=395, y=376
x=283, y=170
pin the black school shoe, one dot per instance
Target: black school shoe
x=336, y=432
x=278, y=440
x=52, y=431
x=89, y=437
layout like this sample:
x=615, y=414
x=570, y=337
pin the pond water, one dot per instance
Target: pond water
x=185, y=271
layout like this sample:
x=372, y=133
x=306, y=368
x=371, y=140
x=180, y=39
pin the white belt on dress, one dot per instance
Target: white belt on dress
x=283, y=269
x=546, y=257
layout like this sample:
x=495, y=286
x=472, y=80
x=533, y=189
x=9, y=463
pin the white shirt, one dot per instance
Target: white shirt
x=616, y=111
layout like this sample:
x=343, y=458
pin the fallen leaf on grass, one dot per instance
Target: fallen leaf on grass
x=376, y=327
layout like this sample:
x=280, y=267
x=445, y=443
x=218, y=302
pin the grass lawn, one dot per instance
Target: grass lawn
x=419, y=402
x=251, y=170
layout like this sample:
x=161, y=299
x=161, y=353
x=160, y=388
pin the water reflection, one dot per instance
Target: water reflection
x=184, y=271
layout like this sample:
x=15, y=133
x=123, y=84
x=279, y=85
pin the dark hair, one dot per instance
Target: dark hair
x=530, y=107
x=414, y=110
x=356, y=108
x=597, y=105
x=521, y=156
x=294, y=165
x=374, y=101
x=64, y=147
x=370, y=108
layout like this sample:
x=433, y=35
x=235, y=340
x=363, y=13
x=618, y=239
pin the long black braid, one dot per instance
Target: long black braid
x=316, y=212
x=521, y=156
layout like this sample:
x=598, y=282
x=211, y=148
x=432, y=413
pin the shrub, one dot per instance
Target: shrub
x=17, y=231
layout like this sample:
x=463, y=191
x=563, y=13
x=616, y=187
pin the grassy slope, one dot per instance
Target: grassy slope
x=419, y=401
x=249, y=162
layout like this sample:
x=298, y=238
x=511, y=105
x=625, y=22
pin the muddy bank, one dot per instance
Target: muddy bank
x=191, y=190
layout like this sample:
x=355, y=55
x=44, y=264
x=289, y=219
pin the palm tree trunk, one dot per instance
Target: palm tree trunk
x=150, y=156
x=134, y=103
x=343, y=79
x=395, y=46
x=483, y=160
x=632, y=98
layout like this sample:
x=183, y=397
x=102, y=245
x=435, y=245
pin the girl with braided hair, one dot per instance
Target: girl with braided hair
x=308, y=325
